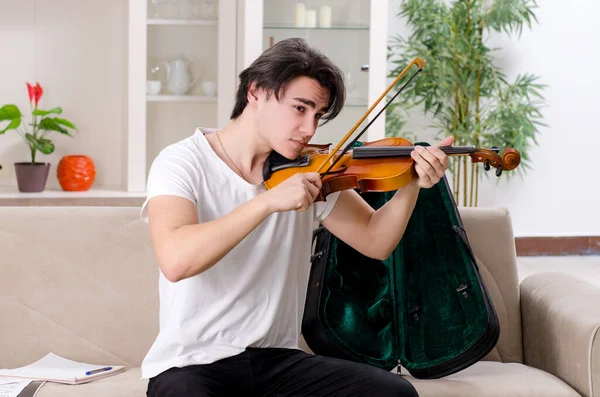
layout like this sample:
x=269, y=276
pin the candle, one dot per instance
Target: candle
x=325, y=17
x=311, y=18
x=299, y=15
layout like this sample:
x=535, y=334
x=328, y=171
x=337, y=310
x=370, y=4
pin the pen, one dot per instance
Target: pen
x=96, y=371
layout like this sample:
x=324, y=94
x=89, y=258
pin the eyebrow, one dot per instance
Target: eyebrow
x=310, y=103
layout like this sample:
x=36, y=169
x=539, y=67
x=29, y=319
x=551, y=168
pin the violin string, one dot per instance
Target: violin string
x=349, y=145
x=396, y=151
x=393, y=151
x=416, y=61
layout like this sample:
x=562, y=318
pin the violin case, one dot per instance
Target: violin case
x=424, y=308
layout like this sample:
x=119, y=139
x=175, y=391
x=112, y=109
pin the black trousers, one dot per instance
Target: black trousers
x=279, y=372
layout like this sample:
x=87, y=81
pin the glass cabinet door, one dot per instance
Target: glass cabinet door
x=181, y=69
x=181, y=74
x=342, y=30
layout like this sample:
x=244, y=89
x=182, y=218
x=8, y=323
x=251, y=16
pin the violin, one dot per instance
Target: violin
x=379, y=166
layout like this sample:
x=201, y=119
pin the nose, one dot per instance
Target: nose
x=308, y=127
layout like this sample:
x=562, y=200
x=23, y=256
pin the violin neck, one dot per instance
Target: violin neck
x=369, y=152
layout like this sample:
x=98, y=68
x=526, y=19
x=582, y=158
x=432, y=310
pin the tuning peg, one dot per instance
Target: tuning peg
x=495, y=149
x=499, y=171
x=486, y=165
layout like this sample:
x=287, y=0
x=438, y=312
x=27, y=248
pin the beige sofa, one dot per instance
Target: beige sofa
x=82, y=282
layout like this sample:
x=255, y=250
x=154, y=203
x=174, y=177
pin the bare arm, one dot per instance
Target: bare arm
x=372, y=233
x=185, y=248
x=377, y=233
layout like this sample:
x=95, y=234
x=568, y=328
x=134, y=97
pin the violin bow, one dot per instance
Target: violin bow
x=420, y=64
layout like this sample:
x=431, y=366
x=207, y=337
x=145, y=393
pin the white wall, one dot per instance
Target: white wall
x=77, y=51
x=559, y=196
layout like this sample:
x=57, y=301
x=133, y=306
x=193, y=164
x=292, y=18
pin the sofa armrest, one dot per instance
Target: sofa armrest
x=560, y=316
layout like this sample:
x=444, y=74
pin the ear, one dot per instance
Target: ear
x=253, y=95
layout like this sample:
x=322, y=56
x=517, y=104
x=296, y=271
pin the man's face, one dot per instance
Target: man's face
x=289, y=124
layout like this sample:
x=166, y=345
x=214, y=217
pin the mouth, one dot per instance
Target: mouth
x=298, y=144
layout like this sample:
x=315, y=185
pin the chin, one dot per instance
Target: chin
x=290, y=154
x=289, y=151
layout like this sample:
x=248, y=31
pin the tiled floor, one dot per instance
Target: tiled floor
x=586, y=267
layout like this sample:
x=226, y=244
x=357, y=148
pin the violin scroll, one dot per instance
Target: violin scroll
x=509, y=160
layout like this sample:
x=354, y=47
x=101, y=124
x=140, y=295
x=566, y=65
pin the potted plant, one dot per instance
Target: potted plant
x=461, y=89
x=32, y=175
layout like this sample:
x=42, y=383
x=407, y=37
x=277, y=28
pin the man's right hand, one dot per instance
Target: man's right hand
x=297, y=193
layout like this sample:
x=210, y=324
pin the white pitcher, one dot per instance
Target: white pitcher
x=179, y=80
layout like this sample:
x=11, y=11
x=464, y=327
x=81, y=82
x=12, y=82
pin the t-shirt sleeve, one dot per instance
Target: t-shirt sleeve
x=171, y=174
x=324, y=208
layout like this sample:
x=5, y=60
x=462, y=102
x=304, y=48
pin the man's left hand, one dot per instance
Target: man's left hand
x=431, y=163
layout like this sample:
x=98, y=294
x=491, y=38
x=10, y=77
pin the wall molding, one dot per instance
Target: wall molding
x=556, y=246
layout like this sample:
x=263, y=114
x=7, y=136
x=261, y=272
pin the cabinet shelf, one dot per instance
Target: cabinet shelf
x=97, y=196
x=185, y=22
x=276, y=26
x=180, y=98
x=7, y=192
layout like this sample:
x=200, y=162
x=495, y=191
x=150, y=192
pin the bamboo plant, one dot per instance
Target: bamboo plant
x=460, y=88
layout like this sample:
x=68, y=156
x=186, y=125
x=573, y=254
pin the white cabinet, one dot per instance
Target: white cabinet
x=181, y=74
x=221, y=44
x=353, y=33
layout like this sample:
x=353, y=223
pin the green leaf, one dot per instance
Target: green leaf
x=14, y=123
x=510, y=15
x=39, y=112
x=50, y=124
x=11, y=113
x=31, y=141
x=65, y=122
x=45, y=146
x=30, y=138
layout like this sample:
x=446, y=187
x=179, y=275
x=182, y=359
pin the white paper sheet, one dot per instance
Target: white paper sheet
x=5, y=379
x=54, y=368
x=13, y=388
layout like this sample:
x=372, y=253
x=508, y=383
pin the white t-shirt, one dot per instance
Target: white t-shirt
x=255, y=295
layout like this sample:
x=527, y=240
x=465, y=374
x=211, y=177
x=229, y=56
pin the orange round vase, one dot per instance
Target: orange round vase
x=76, y=173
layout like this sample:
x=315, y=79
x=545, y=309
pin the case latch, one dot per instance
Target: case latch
x=414, y=312
x=462, y=289
x=316, y=256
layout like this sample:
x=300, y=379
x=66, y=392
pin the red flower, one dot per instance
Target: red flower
x=31, y=92
x=35, y=93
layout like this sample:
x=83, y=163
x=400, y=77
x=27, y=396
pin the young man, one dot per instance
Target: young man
x=234, y=257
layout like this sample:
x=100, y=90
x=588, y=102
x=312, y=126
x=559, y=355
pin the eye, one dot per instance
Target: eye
x=300, y=108
x=318, y=116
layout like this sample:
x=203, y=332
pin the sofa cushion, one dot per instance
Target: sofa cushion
x=76, y=281
x=125, y=384
x=485, y=378
x=490, y=233
x=494, y=379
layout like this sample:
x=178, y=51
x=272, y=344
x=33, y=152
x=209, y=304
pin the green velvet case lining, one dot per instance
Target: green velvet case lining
x=422, y=305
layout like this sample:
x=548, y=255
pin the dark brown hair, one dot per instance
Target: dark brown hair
x=284, y=61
